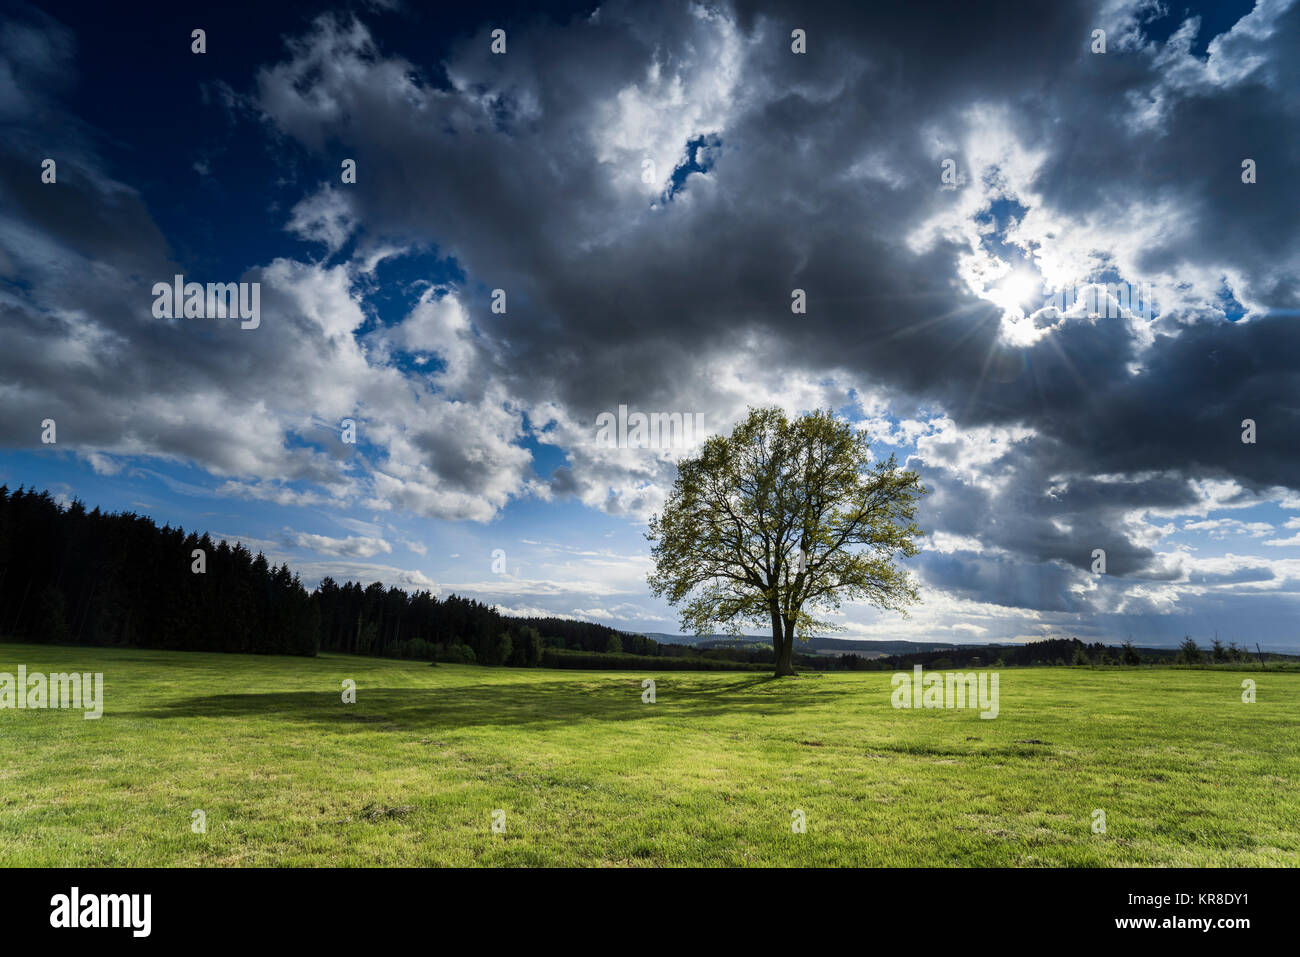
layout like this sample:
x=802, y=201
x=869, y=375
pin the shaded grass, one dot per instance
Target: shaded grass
x=589, y=775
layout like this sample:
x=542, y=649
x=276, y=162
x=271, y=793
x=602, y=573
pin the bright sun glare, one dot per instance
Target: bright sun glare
x=1021, y=287
x=1018, y=288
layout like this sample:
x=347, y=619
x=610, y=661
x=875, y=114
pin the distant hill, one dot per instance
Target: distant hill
x=867, y=648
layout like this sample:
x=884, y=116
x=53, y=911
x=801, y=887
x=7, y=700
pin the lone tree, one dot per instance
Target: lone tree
x=780, y=520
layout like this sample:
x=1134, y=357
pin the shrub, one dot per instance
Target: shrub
x=501, y=650
x=459, y=655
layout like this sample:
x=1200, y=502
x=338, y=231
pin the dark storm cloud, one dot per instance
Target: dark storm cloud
x=613, y=299
x=1185, y=410
x=1003, y=582
x=1026, y=516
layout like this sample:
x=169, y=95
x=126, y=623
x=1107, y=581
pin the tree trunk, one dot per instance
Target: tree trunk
x=784, y=667
x=780, y=655
x=783, y=645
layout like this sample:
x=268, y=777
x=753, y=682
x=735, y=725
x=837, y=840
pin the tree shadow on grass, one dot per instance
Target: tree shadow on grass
x=540, y=704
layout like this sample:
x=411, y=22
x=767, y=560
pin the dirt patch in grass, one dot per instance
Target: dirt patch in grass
x=383, y=812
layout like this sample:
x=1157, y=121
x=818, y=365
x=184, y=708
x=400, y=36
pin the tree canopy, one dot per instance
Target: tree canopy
x=781, y=521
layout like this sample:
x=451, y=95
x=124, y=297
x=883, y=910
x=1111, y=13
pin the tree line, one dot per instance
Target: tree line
x=1058, y=652
x=69, y=575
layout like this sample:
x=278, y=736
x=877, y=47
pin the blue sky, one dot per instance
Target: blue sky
x=647, y=183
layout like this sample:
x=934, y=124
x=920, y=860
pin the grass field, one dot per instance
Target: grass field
x=587, y=774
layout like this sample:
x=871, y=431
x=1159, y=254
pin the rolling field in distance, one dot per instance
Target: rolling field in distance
x=587, y=774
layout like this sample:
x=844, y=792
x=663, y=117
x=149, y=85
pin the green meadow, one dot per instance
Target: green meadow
x=711, y=773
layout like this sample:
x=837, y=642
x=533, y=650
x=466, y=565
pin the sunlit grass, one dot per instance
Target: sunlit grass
x=587, y=774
